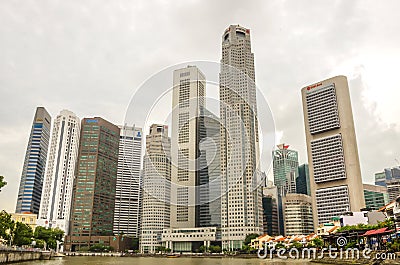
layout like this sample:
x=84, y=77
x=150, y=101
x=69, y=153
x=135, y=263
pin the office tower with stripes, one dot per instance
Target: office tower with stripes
x=31, y=183
x=241, y=201
x=128, y=190
x=335, y=175
x=156, y=188
x=56, y=200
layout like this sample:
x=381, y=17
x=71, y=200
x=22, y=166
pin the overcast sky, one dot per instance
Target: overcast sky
x=90, y=56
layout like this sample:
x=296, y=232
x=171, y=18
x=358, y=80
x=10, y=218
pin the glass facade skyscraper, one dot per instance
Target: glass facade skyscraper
x=31, y=184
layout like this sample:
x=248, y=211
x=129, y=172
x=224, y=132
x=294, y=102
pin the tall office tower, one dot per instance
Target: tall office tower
x=211, y=147
x=375, y=196
x=285, y=165
x=156, y=188
x=128, y=192
x=303, y=180
x=241, y=203
x=393, y=188
x=31, y=184
x=298, y=214
x=55, y=206
x=389, y=178
x=92, y=211
x=189, y=167
x=335, y=176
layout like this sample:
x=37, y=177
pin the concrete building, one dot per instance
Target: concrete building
x=156, y=188
x=128, y=197
x=189, y=174
x=241, y=203
x=25, y=218
x=92, y=211
x=375, y=196
x=335, y=176
x=31, y=183
x=56, y=200
x=298, y=214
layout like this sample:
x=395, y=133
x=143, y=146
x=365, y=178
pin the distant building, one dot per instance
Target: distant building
x=375, y=196
x=298, y=214
x=128, y=197
x=25, y=218
x=389, y=178
x=92, y=211
x=31, y=183
x=270, y=211
x=335, y=174
x=353, y=218
x=156, y=188
x=303, y=180
x=285, y=161
x=285, y=165
x=56, y=200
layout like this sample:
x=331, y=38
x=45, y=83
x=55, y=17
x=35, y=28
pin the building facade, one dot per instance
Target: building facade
x=270, y=211
x=335, y=175
x=375, y=196
x=303, y=180
x=156, y=188
x=31, y=183
x=189, y=176
x=298, y=214
x=93, y=202
x=128, y=196
x=241, y=202
x=56, y=199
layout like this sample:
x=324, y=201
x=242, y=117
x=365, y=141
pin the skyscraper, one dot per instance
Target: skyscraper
x=156, y=188
x=285, y=164
x=55, y=205
x=303, y=180
x=241, y=202
x=189, y=167
x=335, y=176
x=128, y=191
x=31, y=184
x=92, y=212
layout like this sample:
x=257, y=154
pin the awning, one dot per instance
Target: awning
x=377, y=232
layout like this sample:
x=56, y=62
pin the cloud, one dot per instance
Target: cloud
x=89, y=56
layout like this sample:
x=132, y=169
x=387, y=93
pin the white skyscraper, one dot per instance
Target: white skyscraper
x=241, y=202
x=156, y=188
x=187, y=131
x=59, y=178
x=335, y=175
x=128, y=191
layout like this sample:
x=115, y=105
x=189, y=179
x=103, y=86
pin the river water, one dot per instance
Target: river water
x=166, y=261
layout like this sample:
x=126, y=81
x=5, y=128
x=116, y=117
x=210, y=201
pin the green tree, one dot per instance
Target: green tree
x=2, y=182
x=6, y=225
x=297, y=245
x=22, y=234
x=49, y=235
x=317, y=242
x=249, y=237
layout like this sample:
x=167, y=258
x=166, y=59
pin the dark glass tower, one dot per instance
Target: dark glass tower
x=31, y=184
